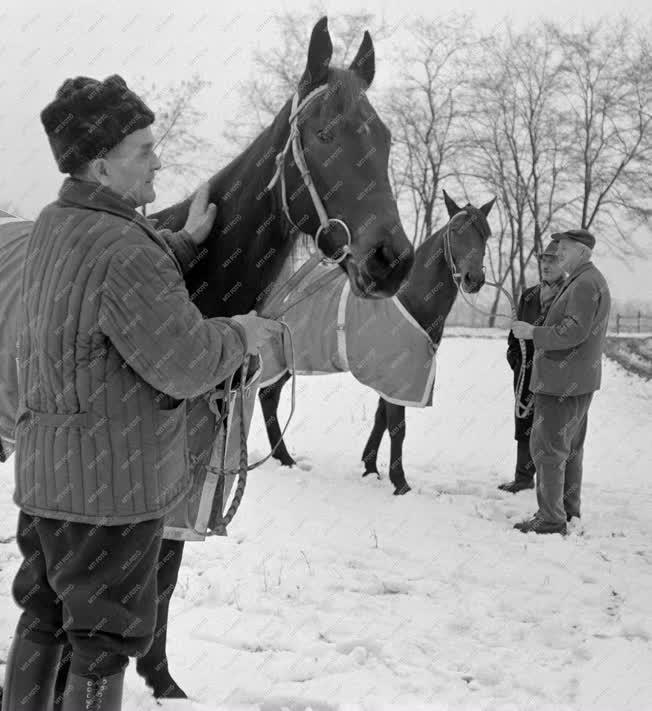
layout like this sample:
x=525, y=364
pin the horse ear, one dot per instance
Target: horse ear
x=486, y=208
x=320, y=52
x=452, y=207
x=364, y=64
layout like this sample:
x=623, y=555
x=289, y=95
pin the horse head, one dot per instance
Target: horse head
x=320, y=167
x=465, y=240
x=337, y=186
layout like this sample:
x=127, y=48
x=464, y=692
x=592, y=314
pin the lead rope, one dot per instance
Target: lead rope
x=521, y=409
x=243, y=468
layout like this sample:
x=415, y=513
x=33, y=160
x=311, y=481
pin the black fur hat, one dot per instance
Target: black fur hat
x=89, y=117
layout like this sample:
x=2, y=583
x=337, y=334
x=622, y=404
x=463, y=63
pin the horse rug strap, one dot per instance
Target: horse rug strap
x=377, y=340
x=14, y=236
x=200, y=513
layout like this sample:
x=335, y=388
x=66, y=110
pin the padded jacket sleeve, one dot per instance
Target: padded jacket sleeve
x=147, y=314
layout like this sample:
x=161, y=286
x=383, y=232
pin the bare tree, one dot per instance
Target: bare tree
x=608, y=104
x=425, y=112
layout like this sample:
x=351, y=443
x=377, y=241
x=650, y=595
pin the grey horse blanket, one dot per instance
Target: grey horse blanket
x=14, y=232
x=377, y=340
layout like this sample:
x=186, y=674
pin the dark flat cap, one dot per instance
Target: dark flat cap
x=582, y=236
x=550, y=250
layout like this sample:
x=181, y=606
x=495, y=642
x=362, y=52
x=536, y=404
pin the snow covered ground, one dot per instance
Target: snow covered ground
x=332, y=594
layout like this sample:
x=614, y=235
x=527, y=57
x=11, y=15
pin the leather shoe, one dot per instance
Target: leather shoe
x=513, y=487
x=538, y=525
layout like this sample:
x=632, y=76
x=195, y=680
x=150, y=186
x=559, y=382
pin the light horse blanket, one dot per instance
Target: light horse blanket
x=14, y=233
x=333, y=331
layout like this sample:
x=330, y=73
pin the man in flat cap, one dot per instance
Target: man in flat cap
x=105, y=361
x=532, y=308
x=566, y=372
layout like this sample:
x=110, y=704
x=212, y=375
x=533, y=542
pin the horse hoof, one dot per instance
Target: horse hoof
x=286, y=462
x=367, y=472
x=403, y=489
x=162, y=685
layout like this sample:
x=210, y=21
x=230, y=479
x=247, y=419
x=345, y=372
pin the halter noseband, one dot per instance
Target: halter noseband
x=294, y=142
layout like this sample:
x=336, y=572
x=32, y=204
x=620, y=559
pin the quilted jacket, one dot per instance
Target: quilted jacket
x=109, y=346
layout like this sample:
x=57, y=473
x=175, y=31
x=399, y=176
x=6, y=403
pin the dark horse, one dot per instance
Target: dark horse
x=428, y=295
x=346, y=148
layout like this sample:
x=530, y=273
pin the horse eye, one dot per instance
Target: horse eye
x=324, y=135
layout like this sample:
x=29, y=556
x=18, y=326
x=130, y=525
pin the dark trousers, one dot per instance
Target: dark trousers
x=94, y=586
x=557, y=448
x=525, y=468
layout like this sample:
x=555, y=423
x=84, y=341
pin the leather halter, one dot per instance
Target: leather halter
x=448, y=250
x=294, y=142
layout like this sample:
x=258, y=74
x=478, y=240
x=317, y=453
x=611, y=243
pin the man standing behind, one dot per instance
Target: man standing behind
x=532, y=308
x=566, y=372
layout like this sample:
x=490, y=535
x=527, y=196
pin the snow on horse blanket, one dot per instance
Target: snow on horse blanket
x=377, y=340
x=14, y=233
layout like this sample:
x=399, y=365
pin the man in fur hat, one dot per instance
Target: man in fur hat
x=532, y=308
x=566, y=372
x=109, y=346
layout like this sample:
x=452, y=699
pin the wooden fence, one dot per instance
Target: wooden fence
x=640, y=323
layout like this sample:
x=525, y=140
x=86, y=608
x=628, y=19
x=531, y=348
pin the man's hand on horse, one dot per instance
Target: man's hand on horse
x=523, y=329
x=201, y=215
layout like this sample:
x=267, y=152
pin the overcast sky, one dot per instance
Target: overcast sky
x=41, y=45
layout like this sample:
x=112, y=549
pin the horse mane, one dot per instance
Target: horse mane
x=246, y=229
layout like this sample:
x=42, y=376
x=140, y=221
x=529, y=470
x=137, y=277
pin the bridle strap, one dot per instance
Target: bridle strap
x=448, y=250
x=294, y=142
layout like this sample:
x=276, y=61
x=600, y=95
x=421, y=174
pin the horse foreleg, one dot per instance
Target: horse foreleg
x=269, y=400
x=396, y=427
x=370, y=452
x=153, y=666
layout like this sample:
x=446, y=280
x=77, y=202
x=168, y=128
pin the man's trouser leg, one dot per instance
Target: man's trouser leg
x=573, y=473
x=105, y=580
x=557, y=425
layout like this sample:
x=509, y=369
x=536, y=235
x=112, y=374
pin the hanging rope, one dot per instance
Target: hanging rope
x=521, y=409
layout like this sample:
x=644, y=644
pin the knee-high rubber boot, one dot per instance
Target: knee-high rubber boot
x=153, y=666
x=103, y=693
x=30, y=674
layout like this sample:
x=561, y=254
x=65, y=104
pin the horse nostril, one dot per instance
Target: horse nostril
x=385, y=255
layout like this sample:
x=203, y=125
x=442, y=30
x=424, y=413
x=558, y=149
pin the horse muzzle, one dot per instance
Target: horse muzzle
x=472, y=284
x=380, y=273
